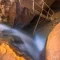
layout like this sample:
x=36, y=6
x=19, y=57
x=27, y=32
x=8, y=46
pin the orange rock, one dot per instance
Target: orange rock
x=6, y=53
x=53, y=44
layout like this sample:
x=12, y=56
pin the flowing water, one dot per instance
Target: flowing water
x=30, y=46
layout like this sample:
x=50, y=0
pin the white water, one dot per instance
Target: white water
x=31, y=46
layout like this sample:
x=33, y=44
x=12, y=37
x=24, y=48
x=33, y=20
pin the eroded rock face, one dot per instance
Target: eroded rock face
x=7, y=11
x=13, y=11
x=53, y=44
x=23, y=15
x=18, y=12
